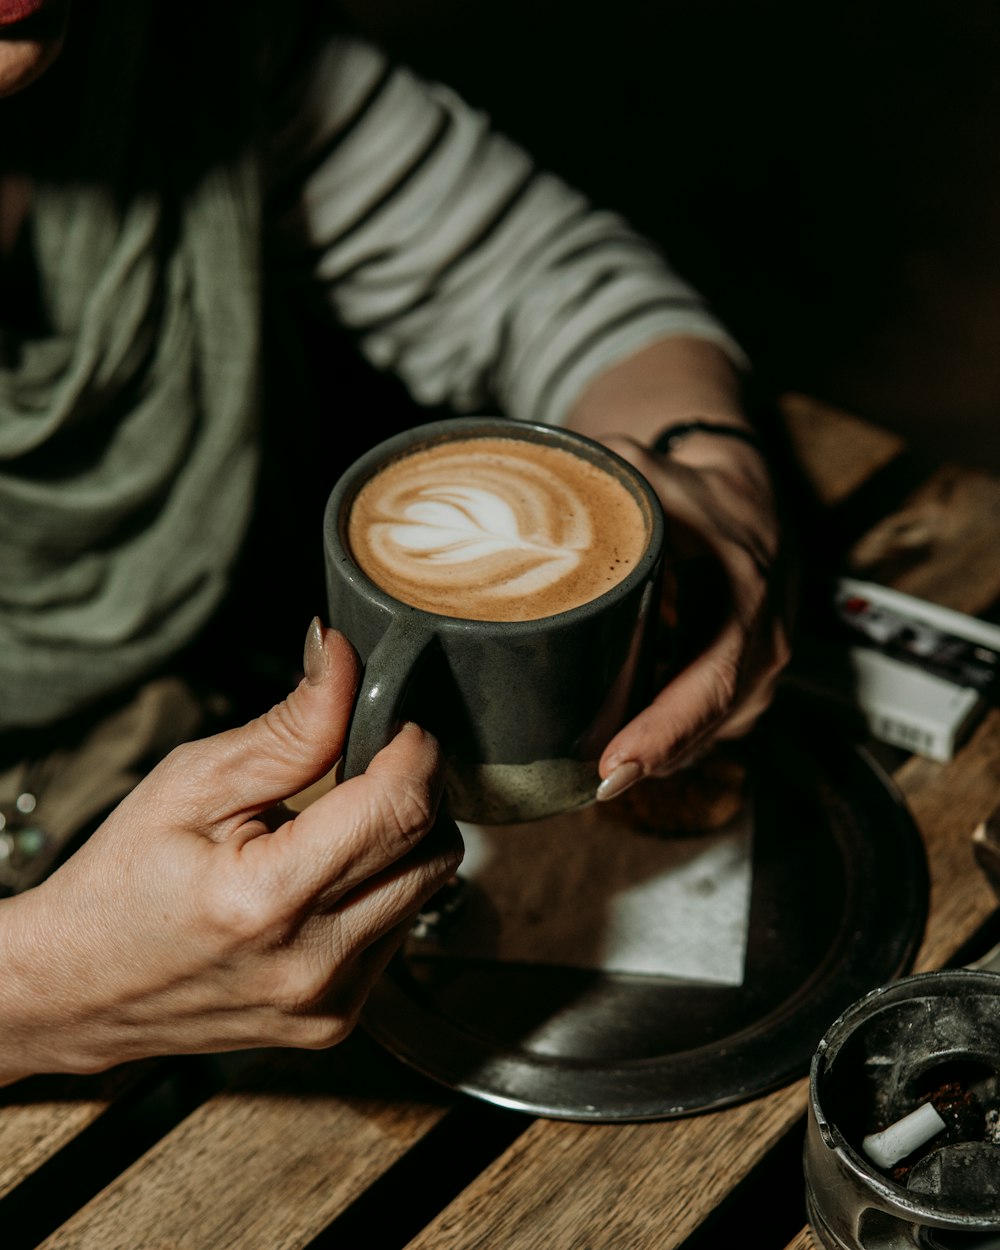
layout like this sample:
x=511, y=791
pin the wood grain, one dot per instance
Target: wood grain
x=948, y=801
x=38, y=1117
x=835, y=451
x=266, y=1164
x=612, y=1187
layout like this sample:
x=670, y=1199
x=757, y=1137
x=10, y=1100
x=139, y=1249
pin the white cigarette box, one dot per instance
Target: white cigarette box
x=921, y=696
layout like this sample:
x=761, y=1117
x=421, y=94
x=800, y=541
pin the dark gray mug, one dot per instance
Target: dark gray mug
x=522, y=709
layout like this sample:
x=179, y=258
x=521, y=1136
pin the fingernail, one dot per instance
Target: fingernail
x=619, y=780
x=315, y=660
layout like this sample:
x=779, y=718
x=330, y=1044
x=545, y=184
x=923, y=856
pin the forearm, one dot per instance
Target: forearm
x=672, y=380
x=481, y=280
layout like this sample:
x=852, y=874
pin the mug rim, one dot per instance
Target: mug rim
x=416, y=437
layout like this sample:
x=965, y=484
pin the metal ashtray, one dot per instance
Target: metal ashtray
x=903, y=1143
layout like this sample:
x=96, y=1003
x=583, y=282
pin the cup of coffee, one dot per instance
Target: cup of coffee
x=500, y=581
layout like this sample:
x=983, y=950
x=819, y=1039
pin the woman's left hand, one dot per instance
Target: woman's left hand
x=722, y=534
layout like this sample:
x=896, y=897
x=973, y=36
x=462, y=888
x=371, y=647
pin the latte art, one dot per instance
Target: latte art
x=495, y=529
x=469, y=525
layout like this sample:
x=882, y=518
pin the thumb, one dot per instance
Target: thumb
x=244, y=771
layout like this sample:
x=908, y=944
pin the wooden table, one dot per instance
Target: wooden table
x=349, y=1148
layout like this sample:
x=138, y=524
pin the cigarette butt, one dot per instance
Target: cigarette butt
x=885, y=1149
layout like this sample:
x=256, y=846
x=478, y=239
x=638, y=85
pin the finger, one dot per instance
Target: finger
x=244, y=771
x=698, y=517
x=350, y=989
x=396, y=894
x=407, y=884
x=313, y=1003
x=628, y=448
x=359, y=828
x=746, y=716
x=684, y=715
x=335, y=993
x=340, y=952
x=734, y=681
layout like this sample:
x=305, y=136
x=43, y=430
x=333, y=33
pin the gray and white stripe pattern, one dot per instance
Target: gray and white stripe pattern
x=456, y=263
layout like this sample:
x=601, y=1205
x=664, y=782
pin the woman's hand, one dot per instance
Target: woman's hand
x=724, y=607
x=200, y=917
x=725, y=593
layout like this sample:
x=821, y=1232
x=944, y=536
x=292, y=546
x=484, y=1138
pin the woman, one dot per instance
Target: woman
x=159, y=177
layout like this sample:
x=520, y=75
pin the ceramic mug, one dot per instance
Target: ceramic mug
x=522, y=708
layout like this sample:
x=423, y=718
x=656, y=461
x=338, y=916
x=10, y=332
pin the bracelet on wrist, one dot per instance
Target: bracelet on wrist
x=668, y=439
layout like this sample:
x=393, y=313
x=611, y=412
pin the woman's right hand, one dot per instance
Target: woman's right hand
x=192, y=922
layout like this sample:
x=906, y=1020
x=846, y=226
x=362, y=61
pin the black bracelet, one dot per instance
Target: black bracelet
x=668, y=439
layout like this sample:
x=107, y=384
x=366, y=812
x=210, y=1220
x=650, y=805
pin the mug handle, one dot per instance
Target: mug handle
x=388, y=672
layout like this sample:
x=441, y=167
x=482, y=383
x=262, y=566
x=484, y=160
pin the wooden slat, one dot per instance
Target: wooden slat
x=617, y=1187
x=835, y=451
x=40, y=1116
x=942, y=546
x=266, y=1164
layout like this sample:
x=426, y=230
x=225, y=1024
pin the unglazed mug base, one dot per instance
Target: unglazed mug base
x=507, y=794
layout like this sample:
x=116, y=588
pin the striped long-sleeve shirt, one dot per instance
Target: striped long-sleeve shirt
x=455, y=261
x=128, y=434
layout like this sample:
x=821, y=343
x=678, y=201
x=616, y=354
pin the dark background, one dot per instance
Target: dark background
x=828, y=174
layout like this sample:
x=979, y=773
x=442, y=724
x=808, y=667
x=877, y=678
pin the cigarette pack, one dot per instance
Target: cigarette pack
x=919, y=675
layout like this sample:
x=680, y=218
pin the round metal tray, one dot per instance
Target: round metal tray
x=838, y=904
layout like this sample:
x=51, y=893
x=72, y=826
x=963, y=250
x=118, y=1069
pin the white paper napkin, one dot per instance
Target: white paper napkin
x=579, y=890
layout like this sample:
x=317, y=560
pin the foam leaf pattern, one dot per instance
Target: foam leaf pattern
x=449, y=525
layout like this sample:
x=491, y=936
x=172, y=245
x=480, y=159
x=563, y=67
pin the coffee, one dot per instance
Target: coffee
x=496, y=529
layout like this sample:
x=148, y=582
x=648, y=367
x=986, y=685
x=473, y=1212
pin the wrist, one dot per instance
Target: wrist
x=670, y=381
x=727, y=445
x=46, y=1003
x=22, y=1023
x=676, y=433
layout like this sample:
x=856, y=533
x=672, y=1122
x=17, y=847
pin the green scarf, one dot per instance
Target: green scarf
x=128, y=433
